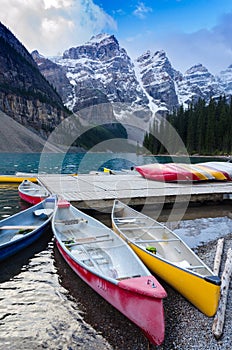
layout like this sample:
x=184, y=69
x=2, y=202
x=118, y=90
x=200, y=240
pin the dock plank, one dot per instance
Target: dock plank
x=101, y=190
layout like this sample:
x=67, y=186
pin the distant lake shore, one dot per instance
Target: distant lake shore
x=68, y=163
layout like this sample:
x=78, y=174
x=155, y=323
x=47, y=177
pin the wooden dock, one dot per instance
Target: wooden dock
x=97, y=191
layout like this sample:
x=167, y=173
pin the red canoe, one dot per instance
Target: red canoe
x=166, y=172
x=108, y=265
x=31, y=192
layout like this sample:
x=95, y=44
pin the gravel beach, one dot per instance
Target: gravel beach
x=186, y=327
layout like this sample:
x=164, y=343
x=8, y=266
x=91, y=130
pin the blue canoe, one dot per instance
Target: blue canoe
x=22, y=229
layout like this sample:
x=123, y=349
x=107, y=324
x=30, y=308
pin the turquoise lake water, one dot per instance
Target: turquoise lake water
x=10, y=163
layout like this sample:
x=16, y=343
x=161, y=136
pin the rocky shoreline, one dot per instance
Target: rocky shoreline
x=186, y=327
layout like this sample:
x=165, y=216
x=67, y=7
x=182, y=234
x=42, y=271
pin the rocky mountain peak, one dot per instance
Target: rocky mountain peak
x=160, y=58
x=145, y=58
x=225, y=80
x=103, y=38
x=100, y=47
x=157, y=76
x=36, y=55
x=100, y=71
x=199, y=71
x=197, y=83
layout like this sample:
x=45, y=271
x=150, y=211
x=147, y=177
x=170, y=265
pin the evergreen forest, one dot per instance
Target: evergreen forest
x=205, y=129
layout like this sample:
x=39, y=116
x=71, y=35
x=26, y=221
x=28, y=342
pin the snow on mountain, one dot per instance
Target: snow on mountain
x=197, y=82
x=225, y=80
x=100, y=71
x=157, y=77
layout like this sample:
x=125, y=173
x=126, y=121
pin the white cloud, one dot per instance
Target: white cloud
x=141, y=10
x=57, y=3
x=52, y=26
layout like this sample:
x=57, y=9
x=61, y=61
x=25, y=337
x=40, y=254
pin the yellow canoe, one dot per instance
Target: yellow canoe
x=216, y=173
x=16, y=179
x=200, y=173
x=166, y=255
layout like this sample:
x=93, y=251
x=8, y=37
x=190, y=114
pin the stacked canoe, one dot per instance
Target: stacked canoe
x=175, y=172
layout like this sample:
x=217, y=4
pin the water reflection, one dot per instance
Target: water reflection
x=13, y=266
x=10, y=203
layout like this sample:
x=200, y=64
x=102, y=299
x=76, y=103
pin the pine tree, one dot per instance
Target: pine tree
x=204, y=129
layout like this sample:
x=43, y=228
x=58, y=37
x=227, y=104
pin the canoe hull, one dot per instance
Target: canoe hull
x=175, y=172
x=146, y=313
x=204, y=295
x=32, y=193
x=30, y=199
x=222, y=167
x=166, y=172
x=8, y=246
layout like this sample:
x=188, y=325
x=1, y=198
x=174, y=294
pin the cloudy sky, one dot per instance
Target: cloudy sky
x=190, y=31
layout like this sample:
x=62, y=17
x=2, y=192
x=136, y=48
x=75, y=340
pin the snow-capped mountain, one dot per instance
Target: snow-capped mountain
x=225, y=80
x=197, y=82
x=157, y=77
x=101, y=71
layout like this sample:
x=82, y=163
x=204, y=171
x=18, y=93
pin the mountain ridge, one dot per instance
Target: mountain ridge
x=101, y=71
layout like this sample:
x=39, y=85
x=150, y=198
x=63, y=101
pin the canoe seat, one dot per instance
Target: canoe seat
x=101, y=260
x=91, y=258
x=127, y=221
x=18, y=227
x=89, y=240
x=43, y=212
x=71, y=221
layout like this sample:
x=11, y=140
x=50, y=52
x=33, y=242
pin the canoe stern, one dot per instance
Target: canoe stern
x=203, y=292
